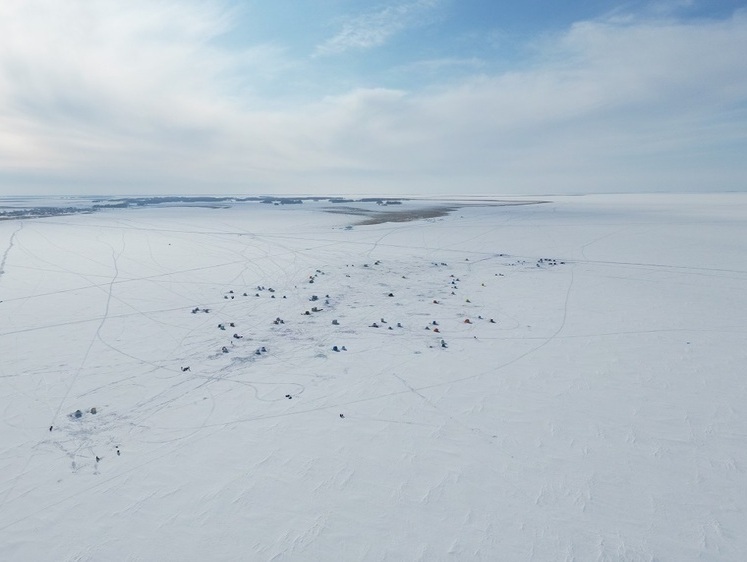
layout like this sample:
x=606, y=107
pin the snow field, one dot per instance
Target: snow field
x=601, y=416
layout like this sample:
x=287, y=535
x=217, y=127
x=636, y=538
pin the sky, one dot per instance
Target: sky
x=429, y=97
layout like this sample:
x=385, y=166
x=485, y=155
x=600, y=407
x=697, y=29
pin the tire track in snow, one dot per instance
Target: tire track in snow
x=11, y=243
x=96, y=336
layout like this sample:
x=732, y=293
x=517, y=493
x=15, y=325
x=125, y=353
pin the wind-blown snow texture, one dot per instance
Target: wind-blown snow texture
x=601, y=416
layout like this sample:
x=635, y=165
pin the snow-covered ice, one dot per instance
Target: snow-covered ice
x=559, y=381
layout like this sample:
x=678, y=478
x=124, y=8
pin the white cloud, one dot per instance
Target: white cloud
x=608, y=107
x=143, y=98
x=375, y=28
x=95, y=80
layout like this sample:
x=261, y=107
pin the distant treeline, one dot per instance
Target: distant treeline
x=37, y=212
x=126, y=202
x=145, y=201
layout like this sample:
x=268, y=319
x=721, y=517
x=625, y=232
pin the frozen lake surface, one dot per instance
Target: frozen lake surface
x=556, y=381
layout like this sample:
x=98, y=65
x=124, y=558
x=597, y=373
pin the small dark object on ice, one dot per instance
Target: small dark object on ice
x=118, y=452
x=343, y=348
x=224, y=349
x=390, y=295
x=232, y=324
x=237, y=336
x=399, y=324
x=221, y=326
x=98, y=459
x=374, y=325
x=289, y=397
x=185, y=369
x=342, y=415
x=335, y=323
x=51, y=427
x=264, y=349
x=492, y=321
x=78, y=414
x=335, y=348
x=443, y=344
x=93, y=410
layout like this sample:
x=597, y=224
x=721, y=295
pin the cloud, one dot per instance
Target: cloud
x=374, y=28
x=92, y=80
x=606, y=106
x=147, y=97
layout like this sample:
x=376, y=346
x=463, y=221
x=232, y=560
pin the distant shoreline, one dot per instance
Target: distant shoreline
x=341, y=205
x=405, y=215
